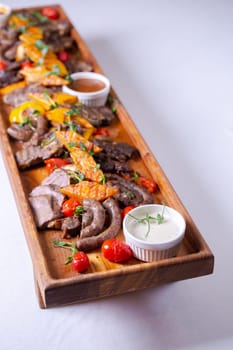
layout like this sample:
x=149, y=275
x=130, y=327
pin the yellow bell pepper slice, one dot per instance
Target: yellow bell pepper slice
x=57, y=115
x=31, y=35
x=18, y=114
x=46, y=100
x=7, y=89
x=55, y=65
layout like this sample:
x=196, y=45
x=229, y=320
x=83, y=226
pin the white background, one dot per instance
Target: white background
x=170, y=62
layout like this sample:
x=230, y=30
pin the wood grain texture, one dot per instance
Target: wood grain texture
x=56, y=283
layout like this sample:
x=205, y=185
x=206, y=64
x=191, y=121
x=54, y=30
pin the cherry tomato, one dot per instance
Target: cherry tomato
x=102, y=131
x=151, y=185
x=53, y=163
x=26, y=64
x=80, y=262
x=2, y=65
x=126, y=210
x=116, y=251
x=50, y=12
x=69, y=206
x=63, y=56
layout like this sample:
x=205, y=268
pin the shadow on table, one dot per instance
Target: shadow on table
x=180, y=314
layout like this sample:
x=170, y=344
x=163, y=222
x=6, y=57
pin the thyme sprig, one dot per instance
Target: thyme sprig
x=159, y=218
x=67, y=245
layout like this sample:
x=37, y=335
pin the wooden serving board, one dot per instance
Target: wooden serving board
x=56, y=283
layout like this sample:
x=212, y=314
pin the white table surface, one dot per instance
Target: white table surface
x=171, y=64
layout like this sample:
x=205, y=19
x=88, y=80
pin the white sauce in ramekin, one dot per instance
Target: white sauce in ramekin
x=158, y=233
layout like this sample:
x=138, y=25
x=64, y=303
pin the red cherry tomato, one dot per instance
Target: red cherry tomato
x=2, y=65
x=26, y=64
x=102, y=131
x=80, y=262
x=50, y=12
x=126, y=210
x=149, y=184
x=53, y=163
x=116, y=251
x=63, y=56
x=69, y=206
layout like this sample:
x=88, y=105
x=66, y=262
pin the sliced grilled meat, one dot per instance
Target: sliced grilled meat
x=74, y=65
x=120, y=151
x=94, y=242
x=128, y=192
x=18, y=96
x=20, y=133
x=110, y=165
x=32, y=154
x=46, y=203
x=58, y=177
x=98, y=116
x=98, y=218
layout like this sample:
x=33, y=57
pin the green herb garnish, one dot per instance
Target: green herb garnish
x=40, y=45
x=55, y=71
x=73, y=111
x=78, y=210
x=27, y=121
x=69, y=78
x=148, y=218
x=40, y=17
x=67, y=245
x=103, y=180
x=96, y=167
x=72, y=144
x=47, y=141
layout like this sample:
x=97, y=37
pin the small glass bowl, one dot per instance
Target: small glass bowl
x=91, y=99
x=4, y=14
x=146, y=250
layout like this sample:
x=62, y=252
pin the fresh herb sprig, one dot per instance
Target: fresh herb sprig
x=67, y=245
x=159, y=218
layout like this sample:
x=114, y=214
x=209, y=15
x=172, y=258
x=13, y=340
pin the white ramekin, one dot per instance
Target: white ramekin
x=91, y=99
x=4, y=16
x=149, y=251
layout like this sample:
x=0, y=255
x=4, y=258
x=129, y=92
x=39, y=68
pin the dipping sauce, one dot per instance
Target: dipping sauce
x=3, y=10
x=158, y=233
x=87, y=85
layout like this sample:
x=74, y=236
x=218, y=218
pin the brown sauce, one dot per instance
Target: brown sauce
x=87, y=85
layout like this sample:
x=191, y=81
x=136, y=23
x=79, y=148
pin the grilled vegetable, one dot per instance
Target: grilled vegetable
x=70, y=139
x=18, y=114
x=87, y=189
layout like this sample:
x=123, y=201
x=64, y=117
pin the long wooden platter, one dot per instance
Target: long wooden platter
x=56, y=283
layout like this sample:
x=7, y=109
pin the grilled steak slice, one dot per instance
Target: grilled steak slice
x=70, y=227
x=20, y=133
x=120, y=151
x=55, y=28
x=94, y=242
x=8, y=77
x=46, y=204
x=109, y=165
x=74, y=65
x=18, y=96
x=32, y=154
x=58, y=177
x=98, y=218
x=10, y=52
x=98, y=116
x=128, y=192
x=7, y=38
